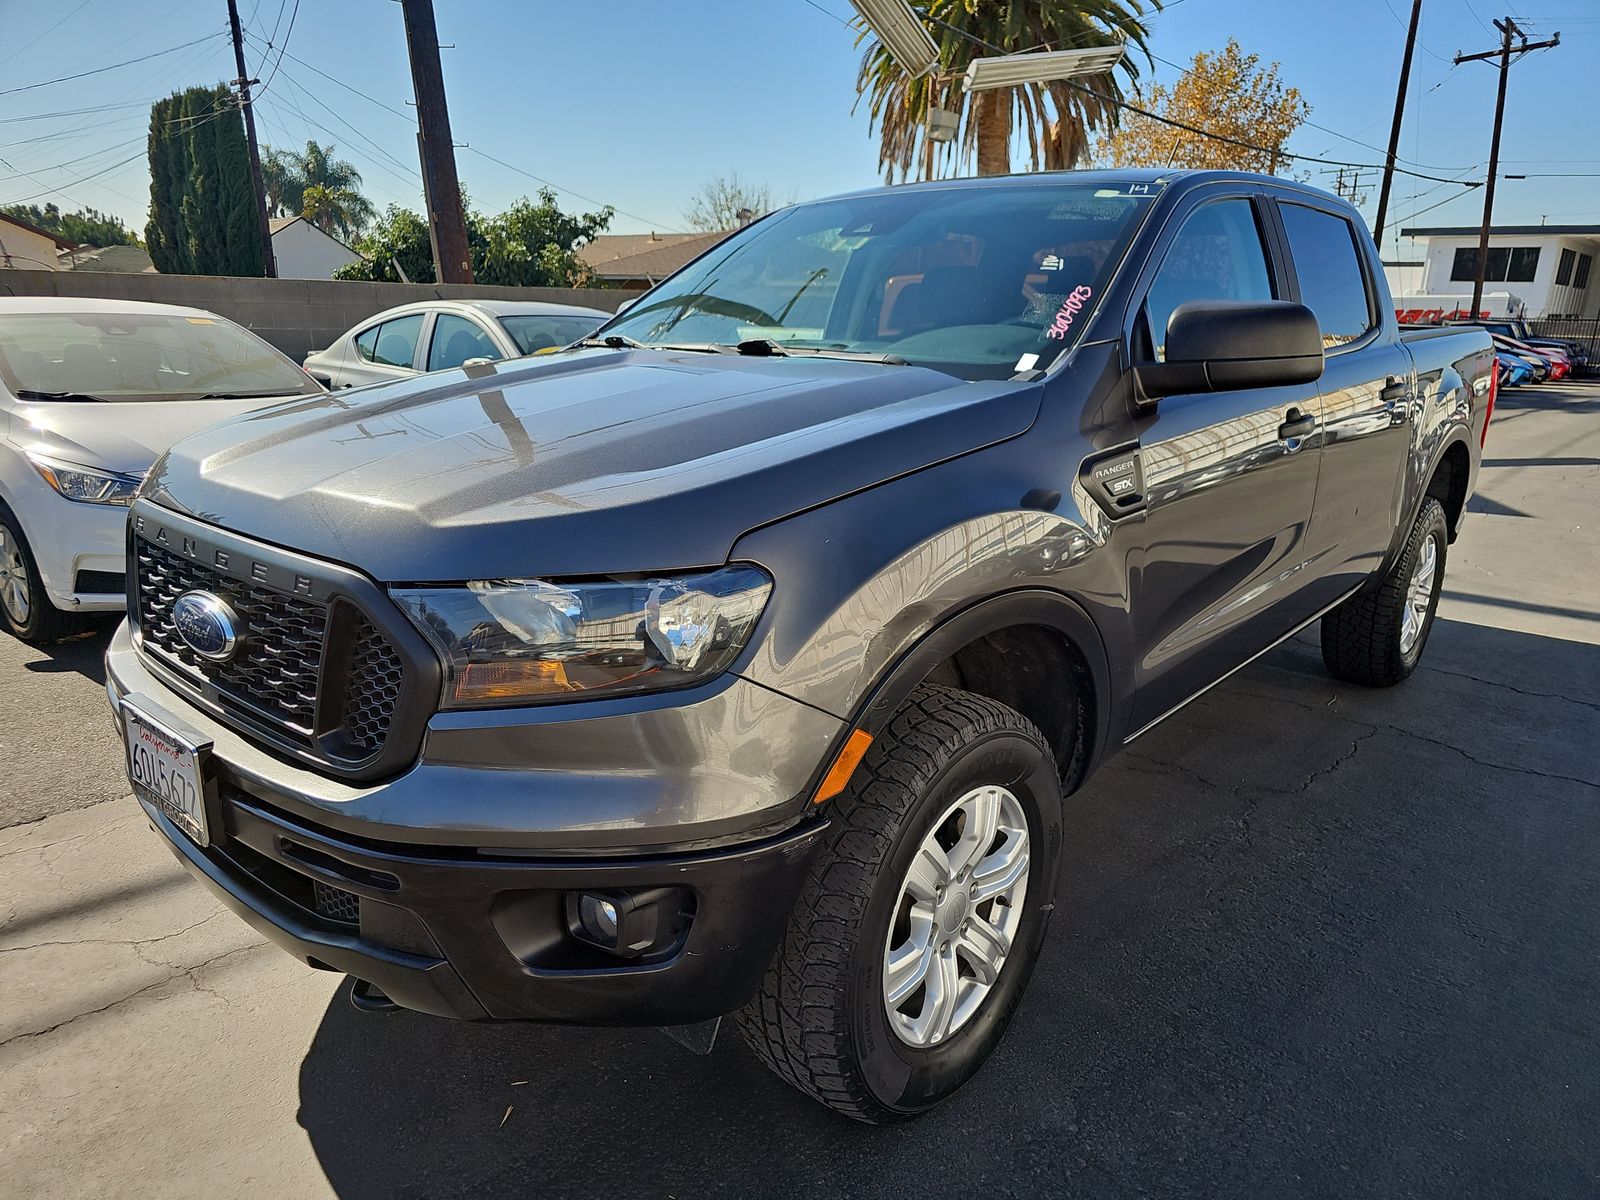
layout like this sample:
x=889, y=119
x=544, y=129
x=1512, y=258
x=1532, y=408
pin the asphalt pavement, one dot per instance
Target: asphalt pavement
x=1312, y=940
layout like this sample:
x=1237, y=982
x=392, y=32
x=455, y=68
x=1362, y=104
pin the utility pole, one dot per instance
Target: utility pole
x=269, y=264
x=1508, y=29
x=447, y=227
x=1394, y=130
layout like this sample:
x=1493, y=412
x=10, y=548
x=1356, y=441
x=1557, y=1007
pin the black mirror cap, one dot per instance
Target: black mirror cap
x=1223, y=345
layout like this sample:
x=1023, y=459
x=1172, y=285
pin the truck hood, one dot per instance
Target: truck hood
x=589, y=462
x=120, y=436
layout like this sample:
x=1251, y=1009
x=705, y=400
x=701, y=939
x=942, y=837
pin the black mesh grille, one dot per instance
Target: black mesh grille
x=280, y=657
x=372, y=690
x=290, y=647
x=336, y=904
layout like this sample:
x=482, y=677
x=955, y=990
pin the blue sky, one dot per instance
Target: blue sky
x=636, y=103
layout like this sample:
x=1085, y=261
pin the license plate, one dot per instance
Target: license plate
x=165, y=770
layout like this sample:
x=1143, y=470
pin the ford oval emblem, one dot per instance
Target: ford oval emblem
x=207, y=625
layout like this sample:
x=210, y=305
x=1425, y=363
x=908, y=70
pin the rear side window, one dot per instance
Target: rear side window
x=1332, y=283
x=456, y=339
x=392, y=344
x=1217, y=255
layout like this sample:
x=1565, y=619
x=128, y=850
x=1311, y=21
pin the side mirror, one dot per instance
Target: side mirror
x=479, y=362
x=624, y=306
x=1224, y=345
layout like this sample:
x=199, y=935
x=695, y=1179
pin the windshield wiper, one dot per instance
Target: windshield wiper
x=619, y=341
x=245, y=395
x=767, y=348
x=75, y=397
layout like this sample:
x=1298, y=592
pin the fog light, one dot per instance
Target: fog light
x=630, y=924
x=598, y=918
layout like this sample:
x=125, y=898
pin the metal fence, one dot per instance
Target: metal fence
x=1583, y=331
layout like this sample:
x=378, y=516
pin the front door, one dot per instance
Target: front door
x=1229, y=480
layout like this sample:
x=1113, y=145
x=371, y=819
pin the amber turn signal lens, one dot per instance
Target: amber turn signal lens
x=510, y=678
x=855, y=749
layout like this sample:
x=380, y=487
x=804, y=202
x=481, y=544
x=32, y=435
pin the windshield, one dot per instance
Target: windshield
x=535, y=332
x=980, y=282
x=140, y=356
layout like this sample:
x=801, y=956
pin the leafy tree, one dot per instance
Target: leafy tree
x=313, y=184
x=202, y=205
x=1226, y=92
x=529, y=245
x=91, y=227
x=717, y=205
x=1055, y=118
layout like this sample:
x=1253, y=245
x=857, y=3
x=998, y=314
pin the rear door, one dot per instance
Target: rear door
x=1229, y=477
x=1367, y=391
x=457, y=338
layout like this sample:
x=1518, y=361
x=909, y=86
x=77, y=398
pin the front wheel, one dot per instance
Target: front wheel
x=25, y=609
x=1376, y=637
x=922, y=916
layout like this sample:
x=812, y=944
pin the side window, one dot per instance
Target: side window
x=1217, y=255
x=456, y=339
x=392, y=344
x=367, y=343
x=1332, y=283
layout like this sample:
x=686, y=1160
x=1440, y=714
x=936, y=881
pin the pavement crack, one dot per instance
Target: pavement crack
x=1320, y=772
x=1510, y=687
x=1491, y=763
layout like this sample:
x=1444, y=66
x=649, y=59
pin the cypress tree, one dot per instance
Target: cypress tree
x=202, y=208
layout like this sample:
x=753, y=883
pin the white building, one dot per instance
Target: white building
x=1550, y=268
x=25, y=247
x=304, y=252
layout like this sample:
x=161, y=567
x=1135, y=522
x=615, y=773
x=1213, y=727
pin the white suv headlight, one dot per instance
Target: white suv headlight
x=87, y=485
x=520, y=641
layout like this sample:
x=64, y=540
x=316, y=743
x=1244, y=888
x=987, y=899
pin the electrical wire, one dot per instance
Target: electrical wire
x=28, y=87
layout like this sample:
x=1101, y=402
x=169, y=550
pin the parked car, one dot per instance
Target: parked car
x=1514, y=371
x=91, y=392
x=1519, y=330
x=1542, y=366
x=737, y=661
x=436, y=335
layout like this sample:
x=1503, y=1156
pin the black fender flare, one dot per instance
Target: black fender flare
x=1033, y=606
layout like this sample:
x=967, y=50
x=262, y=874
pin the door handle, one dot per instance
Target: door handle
x=1296, y=424
x=1395, y=390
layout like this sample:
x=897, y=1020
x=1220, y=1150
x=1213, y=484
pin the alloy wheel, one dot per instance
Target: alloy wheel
x=957, y=913
x=1419, y=594
x=14, y=586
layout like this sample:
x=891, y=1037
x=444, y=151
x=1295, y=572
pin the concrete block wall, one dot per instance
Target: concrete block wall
x=295, y=315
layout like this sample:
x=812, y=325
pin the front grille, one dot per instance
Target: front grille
x=279, y=663
x=372, y=690
x=336, y=904
x=315, y=670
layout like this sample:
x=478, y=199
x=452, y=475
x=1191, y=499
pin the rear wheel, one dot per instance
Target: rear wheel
x=922, y=917
x=25, y=610
x=1377, y=636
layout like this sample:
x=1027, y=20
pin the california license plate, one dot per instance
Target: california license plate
x=165, y=771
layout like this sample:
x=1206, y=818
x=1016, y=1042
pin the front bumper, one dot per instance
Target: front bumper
x=483, y=938
x=72, y=541
x=446, y=887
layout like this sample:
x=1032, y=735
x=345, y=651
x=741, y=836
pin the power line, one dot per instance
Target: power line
x=45, y=34
x=28, y=87
x=288, y=33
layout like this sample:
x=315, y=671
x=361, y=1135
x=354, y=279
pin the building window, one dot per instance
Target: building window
x=1513, y=264
x=1581, y=279
x=1564, y=266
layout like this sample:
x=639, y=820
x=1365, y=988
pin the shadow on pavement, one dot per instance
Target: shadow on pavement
x=84, y=654
x=1311, y=939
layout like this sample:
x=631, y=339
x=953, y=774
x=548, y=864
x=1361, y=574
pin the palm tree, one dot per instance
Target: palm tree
x=315, y=185
x=1055, y=117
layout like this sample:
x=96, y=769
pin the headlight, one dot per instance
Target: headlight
x=515, y=641
x=88, y=485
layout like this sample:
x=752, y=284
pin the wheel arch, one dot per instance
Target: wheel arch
x=1007, y=647
x=1449, y=481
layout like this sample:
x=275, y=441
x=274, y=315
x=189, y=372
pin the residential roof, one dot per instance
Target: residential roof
x=120, y=260
x=276, y=225
x=60, y=242
x=1503, y=231
x=609, y=246
x=659, y=261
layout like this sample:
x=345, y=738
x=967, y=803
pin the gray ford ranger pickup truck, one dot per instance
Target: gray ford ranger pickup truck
x=738, y=659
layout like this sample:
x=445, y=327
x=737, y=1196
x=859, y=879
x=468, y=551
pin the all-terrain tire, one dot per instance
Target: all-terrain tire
x=1363, y=639
x=820, y=1019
